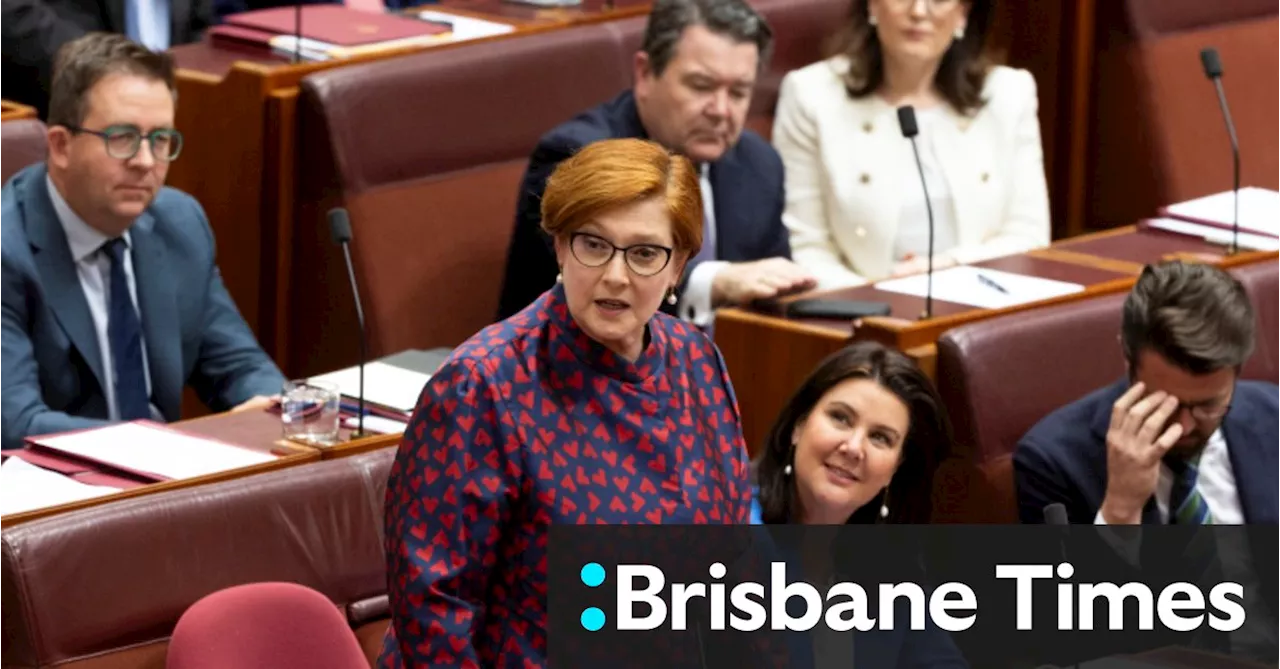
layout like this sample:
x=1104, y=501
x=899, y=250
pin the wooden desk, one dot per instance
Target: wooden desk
x=768, y=356
x=258, y=430
x=12, y=111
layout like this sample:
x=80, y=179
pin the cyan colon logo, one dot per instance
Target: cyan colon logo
x=592, y=576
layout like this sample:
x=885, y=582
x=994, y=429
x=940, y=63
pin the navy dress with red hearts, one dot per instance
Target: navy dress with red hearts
x=529, y=423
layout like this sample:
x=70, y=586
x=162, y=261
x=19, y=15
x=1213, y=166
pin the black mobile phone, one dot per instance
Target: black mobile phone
x=827, y=308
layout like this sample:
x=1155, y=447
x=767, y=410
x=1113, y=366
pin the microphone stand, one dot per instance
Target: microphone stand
x=928, y=294
x=364, y=352
x=1235, y=165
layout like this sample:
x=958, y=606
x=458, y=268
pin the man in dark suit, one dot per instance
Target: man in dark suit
x=1183, y=435
x=112, y=300
x=1182, y=441
x=33, y=31
x=694, y=77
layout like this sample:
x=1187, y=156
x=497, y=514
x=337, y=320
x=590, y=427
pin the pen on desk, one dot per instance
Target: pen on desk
x=991, y=283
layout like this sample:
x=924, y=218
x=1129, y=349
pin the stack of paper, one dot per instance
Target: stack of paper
x=1259, y=211
x=386, y=385
x=25, y=487
x=981, y=287
x=153, y=450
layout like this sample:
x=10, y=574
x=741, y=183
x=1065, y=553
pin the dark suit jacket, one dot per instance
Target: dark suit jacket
x=1064, y=457
x=34, y=30
x=746, y=184
x=52, y=370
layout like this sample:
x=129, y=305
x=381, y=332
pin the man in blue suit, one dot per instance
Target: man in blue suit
x=1183, y=439
x=112, y=299
x=694, y=78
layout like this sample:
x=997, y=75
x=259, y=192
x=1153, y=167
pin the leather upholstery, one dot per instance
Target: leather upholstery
x=426, y=151
x=1158, y=135
x=22, y=143
x=104, y=587
x=1260, y=281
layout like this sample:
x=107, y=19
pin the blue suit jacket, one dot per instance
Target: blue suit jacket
x=52, y=369
x=1064, y=457
x=899, y=648
x=747, y=185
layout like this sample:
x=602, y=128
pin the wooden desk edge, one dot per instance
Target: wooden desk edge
x=280, y=462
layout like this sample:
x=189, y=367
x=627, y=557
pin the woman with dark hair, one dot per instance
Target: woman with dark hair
x=857, y=444
x=855, y=207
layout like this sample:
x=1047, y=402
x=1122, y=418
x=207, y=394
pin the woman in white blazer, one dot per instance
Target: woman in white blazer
x=855, y=207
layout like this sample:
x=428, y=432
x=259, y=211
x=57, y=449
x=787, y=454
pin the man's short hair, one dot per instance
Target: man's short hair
x=1196, y=316
x=83, y=62
x=734, y=19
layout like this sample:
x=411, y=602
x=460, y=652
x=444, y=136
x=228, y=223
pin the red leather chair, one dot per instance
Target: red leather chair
x=22, y=143
x=276, y=625
x=999, y=377
x=1260, y=281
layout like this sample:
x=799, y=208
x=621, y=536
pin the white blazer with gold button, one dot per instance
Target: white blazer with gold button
x=848, y=165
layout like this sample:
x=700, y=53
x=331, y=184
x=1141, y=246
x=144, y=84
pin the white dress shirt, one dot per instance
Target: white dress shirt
x=695, y=305
x=93, y=268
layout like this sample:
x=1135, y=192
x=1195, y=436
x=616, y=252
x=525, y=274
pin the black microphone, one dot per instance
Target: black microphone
x=1056, y=514
x=297, y=36
x=907, y=121
x=1213, y=70
x=340, y=230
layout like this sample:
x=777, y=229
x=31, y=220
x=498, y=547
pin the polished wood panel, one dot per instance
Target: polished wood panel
x=12, y=111
x=768, y=356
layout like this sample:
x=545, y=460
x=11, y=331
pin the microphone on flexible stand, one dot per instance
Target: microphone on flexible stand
x=297, y=31
x=1213, y=70
x=1056, y=514
x=907, y=121
x=340, y=230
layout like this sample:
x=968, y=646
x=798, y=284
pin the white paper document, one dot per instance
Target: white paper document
x=388, y=385
x=376, y=424
x=980, y=287
x=1259, y=210
x=1215, y=235
x=151, y=449
x=466, y=27
x=26, y=487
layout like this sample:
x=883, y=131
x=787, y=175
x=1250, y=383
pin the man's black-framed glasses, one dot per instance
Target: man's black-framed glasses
x=643, y=259
x=124, y=141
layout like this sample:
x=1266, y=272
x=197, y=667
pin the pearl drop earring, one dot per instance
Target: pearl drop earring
x=884, y=511
x=786, y=471
x=559, y=278
x=959, y=33
x=671, y=298
x=872, y=20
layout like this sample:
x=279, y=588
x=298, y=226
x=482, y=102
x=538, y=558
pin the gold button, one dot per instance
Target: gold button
x=867, y=127
x=985, y=177
x=865, y=178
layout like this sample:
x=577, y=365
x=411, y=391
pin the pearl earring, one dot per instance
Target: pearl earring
x=786, y=471
x=884, y=511
x=671, y=298
x=872, y=20
x=959, y=33
x=559, y=278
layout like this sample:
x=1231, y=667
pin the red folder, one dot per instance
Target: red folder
x=334, y=24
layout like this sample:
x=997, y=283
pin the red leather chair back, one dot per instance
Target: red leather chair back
x=22, y=143
x=281, y=625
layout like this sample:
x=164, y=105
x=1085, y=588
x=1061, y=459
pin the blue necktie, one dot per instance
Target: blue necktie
x=125, y=334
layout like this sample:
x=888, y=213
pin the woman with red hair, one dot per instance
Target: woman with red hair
x=589, y=406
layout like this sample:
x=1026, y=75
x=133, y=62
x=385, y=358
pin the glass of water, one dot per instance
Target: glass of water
x=309, y=412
